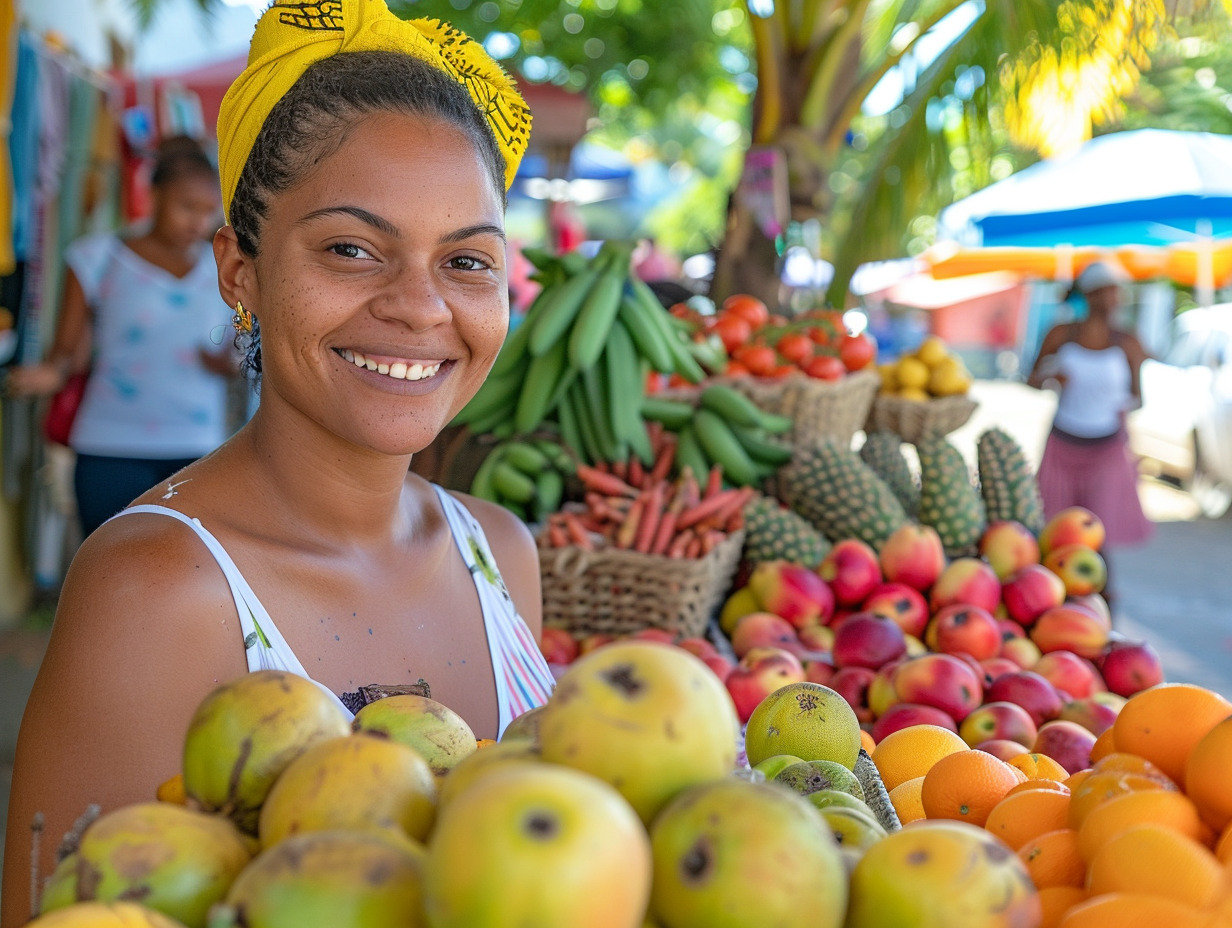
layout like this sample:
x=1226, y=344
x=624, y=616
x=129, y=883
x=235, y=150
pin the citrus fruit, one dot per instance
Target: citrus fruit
x=1165, y=722
x=912, y=372
x=1158, y=861
x=1019, y=817
x=1104, y=786
x=853, y=828
x=1053, y=859
x=910, y=752
x=1039, y=767
x=1151, y=806
x=940, y=875
x=966, y=785
x=1132, y=910
x=806, y=719
x=1055, y=901
x=1104, y=744
x=867, y=742
x=932, y=351
x=907, y=802
x=1223, y=847
x=1207, y=779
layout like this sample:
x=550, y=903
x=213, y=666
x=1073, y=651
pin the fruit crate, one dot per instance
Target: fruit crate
x=819, y=409
x=911, y=420
x=615, y=591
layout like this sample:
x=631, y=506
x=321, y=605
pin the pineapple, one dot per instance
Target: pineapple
x=883, y=452
x=949, y=501
x=841, y=496
x=1007, y=482
x=773, y=532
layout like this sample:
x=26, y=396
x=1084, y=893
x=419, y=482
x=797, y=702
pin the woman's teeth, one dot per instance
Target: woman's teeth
x=399, y=370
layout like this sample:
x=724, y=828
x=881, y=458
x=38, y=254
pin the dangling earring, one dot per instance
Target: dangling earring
x=242, y=320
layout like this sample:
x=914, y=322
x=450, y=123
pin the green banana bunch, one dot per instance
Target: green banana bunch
x=580, y=357
x=525, y=476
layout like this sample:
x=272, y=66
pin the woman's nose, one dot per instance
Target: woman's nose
x=414, y=297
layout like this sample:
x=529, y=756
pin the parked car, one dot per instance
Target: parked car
x=1184, y=427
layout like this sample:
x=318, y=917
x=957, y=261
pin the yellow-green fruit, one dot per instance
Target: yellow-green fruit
x=855, y=829
x=105, y=915
x=437, y=733
x=245, y=733
x=650, y=719
x=175, y=860
x=811, y=776
x=771, y=767
x=356, y=783
x=741, y=603
x=730, y=854
x=537, y=844
x=805, y=719
x=330, y=879
x=939, y=874
x=503, y=752
x=60, y=890
x=827, y=798
x=525, y=727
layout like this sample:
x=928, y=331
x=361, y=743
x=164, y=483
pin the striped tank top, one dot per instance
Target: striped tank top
x=523, y=680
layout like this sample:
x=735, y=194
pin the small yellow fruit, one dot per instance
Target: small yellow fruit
x=932, y=351
x=949, y=378
x=914, y=394
x=889, y=377
x=912, y=374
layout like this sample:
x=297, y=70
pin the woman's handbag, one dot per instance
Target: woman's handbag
x=58, y=423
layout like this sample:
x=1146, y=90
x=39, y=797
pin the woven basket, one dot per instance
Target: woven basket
x=819, y=409
x=614, y=591
x=914, y=419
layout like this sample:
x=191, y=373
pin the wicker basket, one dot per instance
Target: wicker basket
x=913, y=419
x=617, y=592
x=819, y=409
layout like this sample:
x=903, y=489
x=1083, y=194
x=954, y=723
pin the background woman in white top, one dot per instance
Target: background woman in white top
x=141, y=310
x=1086, y=460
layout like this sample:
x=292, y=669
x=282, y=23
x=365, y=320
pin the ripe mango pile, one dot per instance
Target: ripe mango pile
x=618, y=804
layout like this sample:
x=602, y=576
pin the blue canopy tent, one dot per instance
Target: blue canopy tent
x=1140, y=187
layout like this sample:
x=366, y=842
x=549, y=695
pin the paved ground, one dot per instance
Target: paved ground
x=1175, y=591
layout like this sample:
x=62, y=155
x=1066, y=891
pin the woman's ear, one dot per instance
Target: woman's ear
x=237, y=281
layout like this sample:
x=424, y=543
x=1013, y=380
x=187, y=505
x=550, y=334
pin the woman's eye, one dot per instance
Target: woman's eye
x=467, y=263
x=347, y=250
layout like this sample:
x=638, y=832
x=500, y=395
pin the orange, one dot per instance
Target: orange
x=1132, y=910
x=1051, y=785
x=1104, y=744
x=1145, y=807
x=1122, y=762
x=1158, y=861
x=1055, y=901
x=866, y=741
x=1076, y=778
x=906, y=800
x=1019, y=817
x=1223, y=847
x=965, y=786
x=1039, y=767
x=1052, y=859
x=910, y=752
x=1164, y=723
x=1103, y=786
x=1208, y=775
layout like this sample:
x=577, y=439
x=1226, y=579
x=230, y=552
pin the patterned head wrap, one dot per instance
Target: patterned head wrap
x=291, y=36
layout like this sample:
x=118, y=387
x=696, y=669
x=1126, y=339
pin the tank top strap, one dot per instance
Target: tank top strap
x=523, y=679
x=264, y=646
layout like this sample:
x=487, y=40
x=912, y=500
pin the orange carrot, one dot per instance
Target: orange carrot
x=627, y=531
x=577, y=534
x=708, y=508
x=692, y=491
x=664, y=458
x=694, y=550
x=637, y=473
x=666, y=529
x=714, y=481
x=711, y=540
x=608, y=484
x=680, y=543
x=621, y=470
x=556, y=536
x=735, y=505
x=656, y=432
x=651, y=515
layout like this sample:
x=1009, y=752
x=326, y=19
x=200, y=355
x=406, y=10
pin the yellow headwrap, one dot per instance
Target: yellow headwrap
x=291, y=36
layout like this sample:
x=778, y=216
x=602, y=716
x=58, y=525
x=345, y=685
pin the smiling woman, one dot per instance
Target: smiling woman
x=364, y=163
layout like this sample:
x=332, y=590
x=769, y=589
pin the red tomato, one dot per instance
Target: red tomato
x=783, y=370
x=777, y=320
x=857, y=351
x=758, y=360
x=734, y=330
x=825, y=367
x=795, y=347
x=735, y=369
x=675, y=381
x=747, y=307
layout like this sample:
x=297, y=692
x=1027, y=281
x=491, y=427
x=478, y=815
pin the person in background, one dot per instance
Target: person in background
x=365, y=162
x=1094, y=366
x=140, y=310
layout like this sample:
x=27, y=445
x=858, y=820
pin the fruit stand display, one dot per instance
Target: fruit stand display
x=804, y=678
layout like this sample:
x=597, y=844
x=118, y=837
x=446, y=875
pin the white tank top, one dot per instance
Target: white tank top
x=1096, y=391
x=523, y=679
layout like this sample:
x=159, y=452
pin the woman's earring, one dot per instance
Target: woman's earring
x=242, y=320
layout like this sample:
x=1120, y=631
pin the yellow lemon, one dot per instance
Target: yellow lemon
x=932, y=351
x=913, y=393
x=911, y=373
x=949, y=378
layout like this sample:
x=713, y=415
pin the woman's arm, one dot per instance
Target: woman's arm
x=1039, y=375
x=144, y=630
x=70, y=348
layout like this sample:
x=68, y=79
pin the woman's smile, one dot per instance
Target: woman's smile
x=394, y=367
